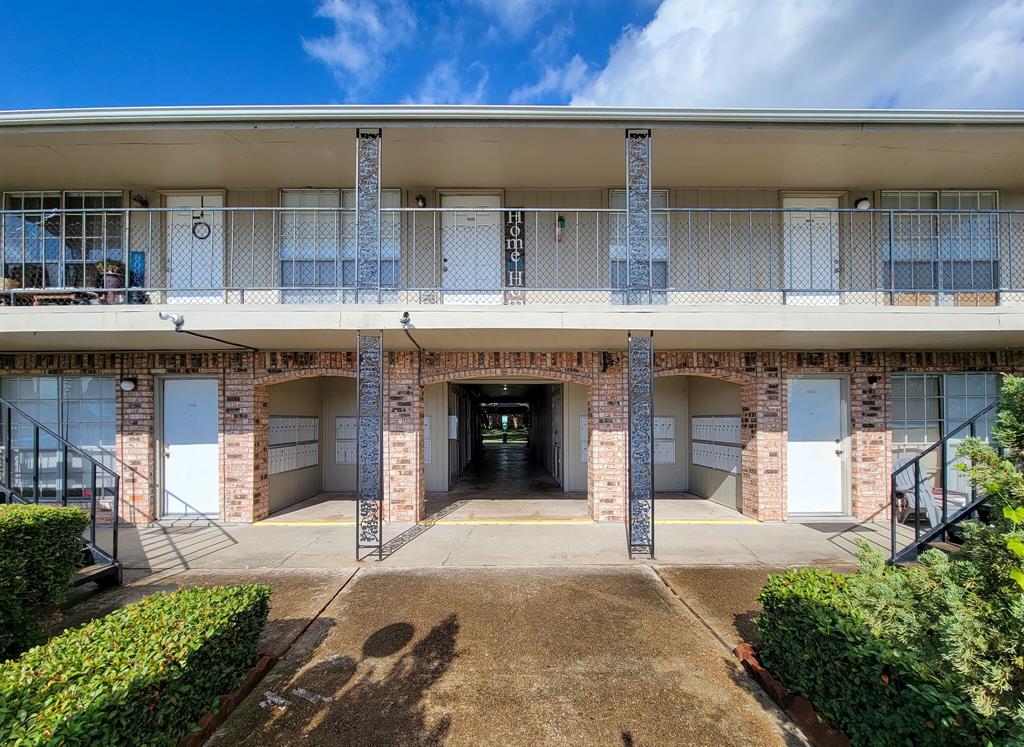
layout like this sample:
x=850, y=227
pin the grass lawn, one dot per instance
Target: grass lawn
x=515, y=435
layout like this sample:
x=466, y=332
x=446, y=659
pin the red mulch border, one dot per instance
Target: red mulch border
x=814, y=726
x=209, y=723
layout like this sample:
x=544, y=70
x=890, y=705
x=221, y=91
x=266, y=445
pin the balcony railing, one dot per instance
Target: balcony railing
x=511, y=256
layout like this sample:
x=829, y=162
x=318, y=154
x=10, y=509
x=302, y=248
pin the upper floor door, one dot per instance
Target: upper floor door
x=811, y=250
x=195, y=248
x=471, y=257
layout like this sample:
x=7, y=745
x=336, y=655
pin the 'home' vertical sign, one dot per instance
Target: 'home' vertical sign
x=515, y=257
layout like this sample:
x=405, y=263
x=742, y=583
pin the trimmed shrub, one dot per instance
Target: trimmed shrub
x=143, y=675
x=42, y=547
x=883, y=665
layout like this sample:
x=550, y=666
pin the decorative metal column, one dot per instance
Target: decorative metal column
x=638, y=216
x=369, y=448
x=368, y=275
x=640, y=518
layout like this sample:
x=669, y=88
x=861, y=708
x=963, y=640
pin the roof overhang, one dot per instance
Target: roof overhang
x=356, y=115
x=540, y=328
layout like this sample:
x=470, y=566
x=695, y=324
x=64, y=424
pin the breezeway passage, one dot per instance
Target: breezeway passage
x=553, y=656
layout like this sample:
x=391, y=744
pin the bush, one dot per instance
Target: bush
x=926, y=655
x=816, y=641
x=143, y=675
x=42, y=547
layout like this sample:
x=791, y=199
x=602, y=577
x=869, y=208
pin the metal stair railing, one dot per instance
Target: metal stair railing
x=12, y=416
x=907, y=479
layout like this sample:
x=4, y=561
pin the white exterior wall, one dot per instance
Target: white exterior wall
x=670, y=400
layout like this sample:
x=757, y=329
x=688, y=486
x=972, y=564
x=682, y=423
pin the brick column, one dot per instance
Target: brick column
x=403, y=439
x=869, y=439
x=606, y=460
x=763, y=435
x=244, y=420
x=135, y=444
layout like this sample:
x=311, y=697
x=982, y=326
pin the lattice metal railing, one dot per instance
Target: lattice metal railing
x=511, y=256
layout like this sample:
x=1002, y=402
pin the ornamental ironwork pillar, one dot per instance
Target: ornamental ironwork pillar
x=639, y=273
x=640, y=514
x=369, y=448
x=368, y=274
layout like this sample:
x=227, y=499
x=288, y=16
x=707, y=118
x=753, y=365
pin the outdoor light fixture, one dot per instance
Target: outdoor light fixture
x=862, y=204
x=176, y=319
x=140, y=201
x=128, y=384
x=421, y=201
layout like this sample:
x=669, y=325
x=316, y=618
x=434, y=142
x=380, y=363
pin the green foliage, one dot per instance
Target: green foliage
x=932, y=654
x=143, y=675
x=42, y=547
x=1008, y=429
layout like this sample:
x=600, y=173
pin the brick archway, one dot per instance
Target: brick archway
x=262, y=384
x=759, y=379
x=603, y=375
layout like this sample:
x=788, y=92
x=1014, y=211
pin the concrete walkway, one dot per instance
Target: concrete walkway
x=206, y=546
x=546, y=656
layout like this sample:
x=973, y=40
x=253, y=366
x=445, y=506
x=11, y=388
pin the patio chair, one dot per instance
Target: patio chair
x=905, y=495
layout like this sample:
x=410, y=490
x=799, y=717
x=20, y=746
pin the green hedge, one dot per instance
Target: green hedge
x=818, y=642
x=42, y=547
x=143, y=675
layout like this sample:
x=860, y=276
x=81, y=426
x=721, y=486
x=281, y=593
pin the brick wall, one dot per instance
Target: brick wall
x=245, y=379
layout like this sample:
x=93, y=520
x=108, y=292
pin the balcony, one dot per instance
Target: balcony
x=512, y=256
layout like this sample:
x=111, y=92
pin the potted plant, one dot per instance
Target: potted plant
x=12, y=278
x=113, y=273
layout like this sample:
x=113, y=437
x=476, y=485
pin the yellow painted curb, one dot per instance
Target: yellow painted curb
x=724, y=522
x=328, y=523
x=505, y=522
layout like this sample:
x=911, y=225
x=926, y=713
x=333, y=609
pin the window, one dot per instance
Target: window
x=318, y=247
x=943, y=250
x=618, y=270
x=43, y=248
x=926, y=407
x=79, y=408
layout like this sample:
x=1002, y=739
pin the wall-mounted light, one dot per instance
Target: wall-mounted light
x=128, y=384
x=421, y=201
x=140, y=200
x=872, y=381
x=863, y=204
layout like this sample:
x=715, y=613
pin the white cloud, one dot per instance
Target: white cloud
x=515, y=17
x=444, y=84
x=560, y=81
x=365, y=31
x=830, y=53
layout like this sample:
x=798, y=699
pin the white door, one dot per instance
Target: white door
x=814, y=452
x=811, y=250
x=191, y=474
x=195, y=249
x=471, y=258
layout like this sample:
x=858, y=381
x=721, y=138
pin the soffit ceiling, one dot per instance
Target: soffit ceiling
x=776, y=156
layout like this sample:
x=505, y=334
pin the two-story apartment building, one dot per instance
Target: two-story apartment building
x=764, y=309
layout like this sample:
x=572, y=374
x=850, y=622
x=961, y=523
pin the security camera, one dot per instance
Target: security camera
x=176, y=319
x=405, y=320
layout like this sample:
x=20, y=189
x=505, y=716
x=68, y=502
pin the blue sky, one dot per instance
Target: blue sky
x=829, y=53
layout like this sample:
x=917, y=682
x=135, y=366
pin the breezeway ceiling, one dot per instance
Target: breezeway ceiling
x=792, y=156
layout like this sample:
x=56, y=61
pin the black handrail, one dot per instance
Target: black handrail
x=946, y=520
x=65, y=448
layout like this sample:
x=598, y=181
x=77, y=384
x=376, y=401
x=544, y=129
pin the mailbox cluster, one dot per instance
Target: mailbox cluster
x=346, y=439
x=294, y=443
x=716, y=442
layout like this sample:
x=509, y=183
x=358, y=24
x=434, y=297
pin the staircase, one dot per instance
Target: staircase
x=42, y=467
x=911, y=494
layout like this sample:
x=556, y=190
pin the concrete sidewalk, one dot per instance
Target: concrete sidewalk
x=206, y=546
x=541, y=656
